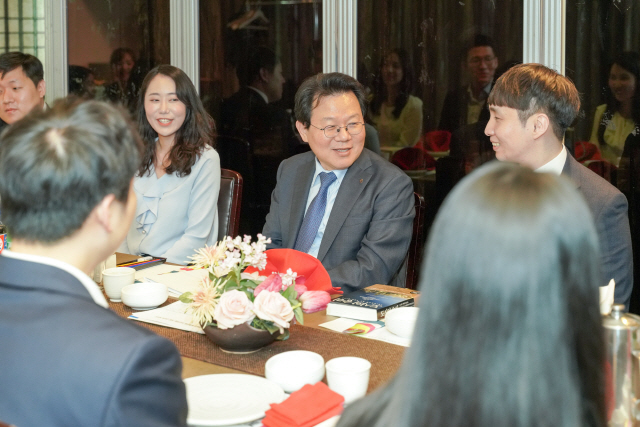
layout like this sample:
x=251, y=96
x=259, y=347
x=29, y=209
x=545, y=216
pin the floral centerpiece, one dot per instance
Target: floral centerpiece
x=230, y=297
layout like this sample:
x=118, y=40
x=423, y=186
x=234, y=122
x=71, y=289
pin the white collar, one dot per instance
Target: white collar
x=556, y=164
x=87, y=282
x=339, y=173
x=261, y=93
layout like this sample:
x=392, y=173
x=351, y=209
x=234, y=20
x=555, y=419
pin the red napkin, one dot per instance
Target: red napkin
x=435, y=140
x=316, y=276
x=307, y=407
x=413, y=158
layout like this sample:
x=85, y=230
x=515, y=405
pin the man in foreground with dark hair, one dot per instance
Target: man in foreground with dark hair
x=22, y=86
x=341, y=203
x=67, y=200
x=531, y=108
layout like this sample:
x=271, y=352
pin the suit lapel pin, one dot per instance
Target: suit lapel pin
x=360, y=180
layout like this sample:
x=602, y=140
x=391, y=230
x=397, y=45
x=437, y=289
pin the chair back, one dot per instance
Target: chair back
x=417, y=243
x=229, y=201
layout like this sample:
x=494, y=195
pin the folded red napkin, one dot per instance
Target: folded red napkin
x=316, y=276
x=307, y=407
x=413, y=158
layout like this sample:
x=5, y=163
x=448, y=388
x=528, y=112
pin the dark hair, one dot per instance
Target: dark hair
x=316, y=87
x=31, y=65
x=630, y=61
x=58, y=164
x=77, y=76
x=192, y=137
x=118, y=55
x=406, y=84
x=480, y=40
x=509, y=331
x=261, y=57
x=532, y=88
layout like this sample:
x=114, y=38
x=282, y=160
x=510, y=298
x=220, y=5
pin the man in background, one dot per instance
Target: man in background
x=22, y=86
x=68, y=200
x=531, y=108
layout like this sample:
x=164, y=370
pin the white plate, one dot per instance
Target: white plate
x=224, y=399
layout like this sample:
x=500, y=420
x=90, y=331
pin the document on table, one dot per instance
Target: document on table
x=172, y=316
x=179, y=279
x=341, y=324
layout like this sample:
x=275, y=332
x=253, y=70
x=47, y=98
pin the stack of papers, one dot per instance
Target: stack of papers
x=173, y=316
x=179, y=279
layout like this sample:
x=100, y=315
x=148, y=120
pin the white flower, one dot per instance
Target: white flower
x=289, y=278
x=233, y=308
x=273, y=307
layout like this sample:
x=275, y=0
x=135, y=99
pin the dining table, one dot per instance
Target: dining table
x=200, y=356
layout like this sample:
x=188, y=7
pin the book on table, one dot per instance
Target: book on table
x=372, y=302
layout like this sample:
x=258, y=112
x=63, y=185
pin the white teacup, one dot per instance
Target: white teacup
x=114, y=279
x=348, y=376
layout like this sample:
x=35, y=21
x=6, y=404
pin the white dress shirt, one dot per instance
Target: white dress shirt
x=332, y=192
x=556, y=164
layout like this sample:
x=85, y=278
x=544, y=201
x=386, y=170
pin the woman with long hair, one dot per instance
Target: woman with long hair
x=615, y=120
x=125, y=86
x=178, y=182
x=394, y=111
x=509, y=329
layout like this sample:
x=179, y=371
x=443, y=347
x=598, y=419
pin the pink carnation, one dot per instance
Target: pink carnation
x=313, y=301
x=273, y=283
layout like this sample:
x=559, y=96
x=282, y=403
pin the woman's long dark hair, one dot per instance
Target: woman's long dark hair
x=509, y=331
x=630, y=61
x=193, y=136
x=406, y=84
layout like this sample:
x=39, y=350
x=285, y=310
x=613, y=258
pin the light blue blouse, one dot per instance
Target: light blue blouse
x=176, y=215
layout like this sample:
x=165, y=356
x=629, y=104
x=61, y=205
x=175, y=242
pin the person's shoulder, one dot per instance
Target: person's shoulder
x=591, y=184
x=414, y=101
x=381, y=165
x=298, y=159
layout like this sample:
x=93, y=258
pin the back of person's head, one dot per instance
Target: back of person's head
x=77, y=76
x=534, y=88
x=509, y=329
x=196, y=130
x=328, y=84
x=261, y=57
x=31, y=65
x=58, y=164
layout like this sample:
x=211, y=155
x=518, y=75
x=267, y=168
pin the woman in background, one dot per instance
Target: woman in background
x=124, y=88
x=614, y=121
x=178, y=182
x=509, y=332
x=395, y=113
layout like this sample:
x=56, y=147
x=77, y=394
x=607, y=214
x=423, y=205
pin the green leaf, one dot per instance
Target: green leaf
x=290, y=293
x=299, y=316
x=186, y=297
x=283, y=337
x=248, y=283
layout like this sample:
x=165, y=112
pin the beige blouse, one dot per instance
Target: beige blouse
x=616, y=132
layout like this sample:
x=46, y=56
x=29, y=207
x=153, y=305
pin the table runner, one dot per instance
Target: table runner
x=385, y=358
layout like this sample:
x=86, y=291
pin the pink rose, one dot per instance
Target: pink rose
x=300, y=289
x=313, y=301
x=273, y=307
x=272, y=283
x=234, y=308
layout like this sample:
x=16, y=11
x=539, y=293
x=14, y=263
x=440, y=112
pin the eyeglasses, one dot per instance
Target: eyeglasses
x=333, y=131
x=477, y=60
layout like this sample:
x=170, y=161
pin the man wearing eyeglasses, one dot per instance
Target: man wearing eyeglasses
x=340, y=202
x=467, y=105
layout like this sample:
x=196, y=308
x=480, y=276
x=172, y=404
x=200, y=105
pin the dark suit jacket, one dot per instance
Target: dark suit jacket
x=454, y=110
x=370, y=226
x=66, y=361
x=609, y=208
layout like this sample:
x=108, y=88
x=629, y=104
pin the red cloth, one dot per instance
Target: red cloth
x=585, y=150
x=413, y=158
x=316, y=276
x=310, y=405
x=435, y=140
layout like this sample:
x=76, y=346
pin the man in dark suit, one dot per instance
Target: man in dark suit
x=531, y=107
x=253, y=115
x=22, y=86
x=67, y=201
x=340, y=202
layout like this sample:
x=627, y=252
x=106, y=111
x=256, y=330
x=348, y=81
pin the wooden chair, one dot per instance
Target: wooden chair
x=417, y=243
x=229, y=202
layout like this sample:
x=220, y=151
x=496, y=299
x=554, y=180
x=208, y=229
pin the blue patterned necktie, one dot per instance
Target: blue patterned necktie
x=315, y=212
